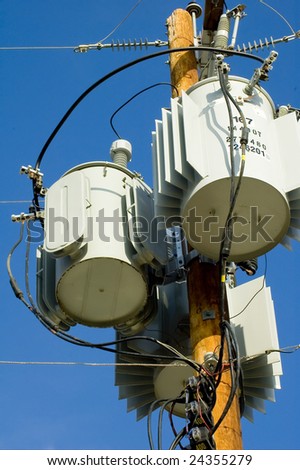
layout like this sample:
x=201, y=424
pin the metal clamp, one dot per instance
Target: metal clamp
x=26, y=217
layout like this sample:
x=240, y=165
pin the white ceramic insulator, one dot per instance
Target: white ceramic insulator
x=221, y=40
x=121, y=152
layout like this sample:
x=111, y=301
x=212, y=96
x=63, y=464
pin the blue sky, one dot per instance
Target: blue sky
x=77, y=407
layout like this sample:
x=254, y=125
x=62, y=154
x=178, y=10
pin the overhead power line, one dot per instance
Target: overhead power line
x=88, y=364
x=279, y=14
x=44, y=48
x=285, y=350
x=122, y=21
x=15, y=202
x=34, y=48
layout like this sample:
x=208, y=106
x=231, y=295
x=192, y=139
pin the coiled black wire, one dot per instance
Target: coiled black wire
x=110, y=75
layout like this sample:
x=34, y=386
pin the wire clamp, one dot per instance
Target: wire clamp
x=33, y=174
x=26, y=217
x=261, y=73
x=238, y=10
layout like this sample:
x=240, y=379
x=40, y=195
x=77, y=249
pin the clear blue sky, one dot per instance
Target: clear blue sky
x=76, y=407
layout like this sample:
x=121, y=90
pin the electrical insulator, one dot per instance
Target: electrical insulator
x=221, y=39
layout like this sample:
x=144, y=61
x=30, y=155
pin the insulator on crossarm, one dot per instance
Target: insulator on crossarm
x=260, y=45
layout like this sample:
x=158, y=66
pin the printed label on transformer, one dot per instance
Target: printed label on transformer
x=256, y=144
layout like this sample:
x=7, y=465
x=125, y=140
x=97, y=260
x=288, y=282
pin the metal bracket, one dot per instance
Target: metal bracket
x=208, y=315
x=35, y=175
x=236, y=11
x=190, y=256
x=25, y=217
x=261, y=74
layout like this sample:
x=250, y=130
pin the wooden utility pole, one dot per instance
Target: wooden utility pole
x=205, y=317
x=183, y=65
x=204, y=278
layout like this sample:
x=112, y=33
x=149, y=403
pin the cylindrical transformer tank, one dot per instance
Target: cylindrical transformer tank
x=261, y=214
x=99, y=281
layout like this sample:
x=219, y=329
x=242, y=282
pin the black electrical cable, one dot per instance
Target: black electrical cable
x=212, y=387
x=121, y=69
x=219, y=367
x=160, y=418
x=231, y=132
x=226, y=242
x=14, y=285
x=110, y=75
x=259, y=290
x=234, y=341
x=233, y=363
x=172, y=423
x=104, y=347
x=226, y=236
x=212, y=396
x=237, y=106
x=135, y=96
x=27, y=256
x=192, y=363
x=178, y=439
x=234, y=379
x=150, y=411
x=234, y=192
x=77, y=341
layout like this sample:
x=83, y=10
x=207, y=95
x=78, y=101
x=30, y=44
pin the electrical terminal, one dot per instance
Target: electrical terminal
x=200, y=434
x=33, y=174
x=195, y=407
x=192, y=382
x=26, y=217
x=192, y=407
x=261, y=74
x=239, y=9
x=210, y=361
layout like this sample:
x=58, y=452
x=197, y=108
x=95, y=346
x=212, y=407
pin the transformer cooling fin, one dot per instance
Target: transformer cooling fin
x=293, y=232
x=141, y=384
x=258, y=343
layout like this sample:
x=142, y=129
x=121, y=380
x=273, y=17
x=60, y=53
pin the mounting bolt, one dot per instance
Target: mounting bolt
x=193, y=7
x=208, y=315
x=210, y=361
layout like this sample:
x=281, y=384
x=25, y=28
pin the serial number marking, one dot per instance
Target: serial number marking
x=252, y=142
x=239, y=119
x=253, y=131
x=230, y=459
x=252, y=149
x=255, y=145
